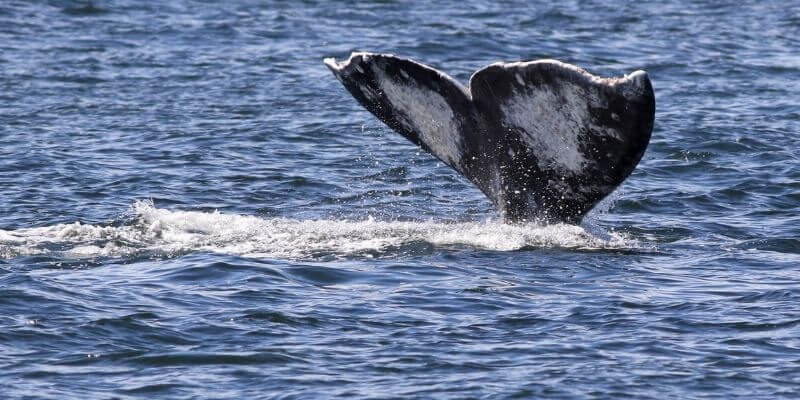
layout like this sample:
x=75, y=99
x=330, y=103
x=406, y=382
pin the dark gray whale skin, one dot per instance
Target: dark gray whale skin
x=544, y=140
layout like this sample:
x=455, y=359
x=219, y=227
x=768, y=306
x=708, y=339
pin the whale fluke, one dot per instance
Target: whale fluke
x=544, y=140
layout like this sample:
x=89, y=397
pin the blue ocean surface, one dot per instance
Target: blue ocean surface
x=192, y=206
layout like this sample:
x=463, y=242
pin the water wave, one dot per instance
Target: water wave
x=162, y=232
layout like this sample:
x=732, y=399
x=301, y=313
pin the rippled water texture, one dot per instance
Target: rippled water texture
x=191, y=206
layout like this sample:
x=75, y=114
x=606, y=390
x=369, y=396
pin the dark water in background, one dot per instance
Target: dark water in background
x=192, y=206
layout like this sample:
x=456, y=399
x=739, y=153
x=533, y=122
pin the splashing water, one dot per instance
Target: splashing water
x=162, y=232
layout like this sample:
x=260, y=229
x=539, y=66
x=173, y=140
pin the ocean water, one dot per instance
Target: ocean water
x=191, y=206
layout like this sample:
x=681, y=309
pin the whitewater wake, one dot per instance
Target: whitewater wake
x=168, y=233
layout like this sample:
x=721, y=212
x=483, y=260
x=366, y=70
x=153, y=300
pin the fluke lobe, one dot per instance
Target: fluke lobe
x=544, y=140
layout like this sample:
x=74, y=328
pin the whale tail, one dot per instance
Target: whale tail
x=544, y=140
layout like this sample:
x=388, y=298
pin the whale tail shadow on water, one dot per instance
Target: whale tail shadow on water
x=544, y=140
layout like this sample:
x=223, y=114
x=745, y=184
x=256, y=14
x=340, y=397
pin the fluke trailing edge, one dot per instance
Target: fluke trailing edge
x=544, y=140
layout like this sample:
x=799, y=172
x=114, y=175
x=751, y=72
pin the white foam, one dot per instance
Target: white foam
x=166, y=233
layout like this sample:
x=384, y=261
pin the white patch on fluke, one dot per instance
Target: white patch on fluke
x=551, y=129
x=633, y=84
x=425, y=112
x=552, y=120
